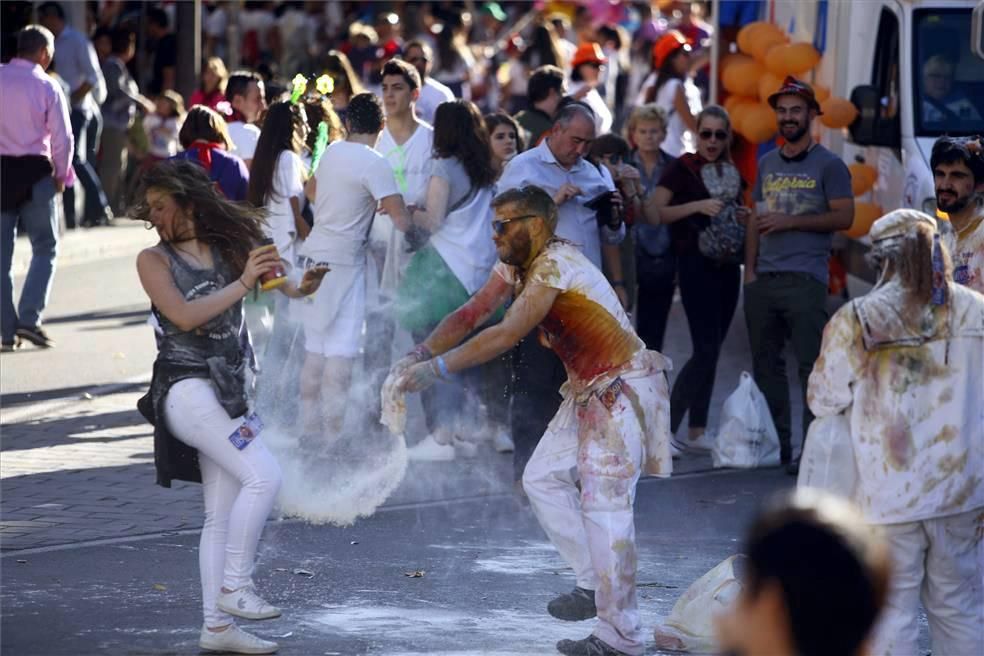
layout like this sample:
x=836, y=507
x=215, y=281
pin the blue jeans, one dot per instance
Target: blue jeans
x=40, y=219
x=87, y=131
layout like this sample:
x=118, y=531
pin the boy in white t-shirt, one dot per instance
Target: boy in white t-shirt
x=407, y=143
x=612, y=426
x=351, y=180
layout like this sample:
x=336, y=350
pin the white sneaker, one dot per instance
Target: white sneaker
x=675, y=451
x=429, y=449
x=502, y=441
x=235, y=641
x=245, y=603
x=464, y=448
x=703, y=443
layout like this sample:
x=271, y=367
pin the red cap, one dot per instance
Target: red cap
x=667, y=44
x=588, y=53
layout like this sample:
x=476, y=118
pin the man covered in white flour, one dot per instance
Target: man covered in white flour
x=906, y=363
x=612, y=426
x=351, y=179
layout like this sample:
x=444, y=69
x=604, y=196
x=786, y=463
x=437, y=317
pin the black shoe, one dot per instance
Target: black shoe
x=590, y=646
x=574, y=606
x=35, y=336
x=793, y=468
x=10, y=347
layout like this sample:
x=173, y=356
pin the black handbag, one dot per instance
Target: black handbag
x=723, y=240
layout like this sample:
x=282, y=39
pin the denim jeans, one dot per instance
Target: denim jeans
x=87, y=130
x=40, y=219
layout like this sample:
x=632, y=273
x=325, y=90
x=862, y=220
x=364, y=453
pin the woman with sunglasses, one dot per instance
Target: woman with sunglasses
x=708, y=288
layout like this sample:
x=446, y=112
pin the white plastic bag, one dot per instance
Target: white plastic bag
x=828, y=457
x=747, y=437
x=690, y=625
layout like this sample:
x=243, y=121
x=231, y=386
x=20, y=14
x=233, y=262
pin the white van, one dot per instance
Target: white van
x=915, y=71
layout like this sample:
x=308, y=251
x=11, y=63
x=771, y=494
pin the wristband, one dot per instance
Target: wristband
x=248, y=288
x=421, y=352
x=442, y=366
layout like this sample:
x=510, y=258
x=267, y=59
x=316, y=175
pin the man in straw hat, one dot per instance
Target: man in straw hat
x=906, y=363
x=803, y=195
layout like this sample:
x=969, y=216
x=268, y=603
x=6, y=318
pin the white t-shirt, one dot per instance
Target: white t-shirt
x=432, y=94
x=288, y=182
x=352, y=179
x=411, y=165
x=679, y=139
x=603, y=115
x=586, y=326
x=244, y=137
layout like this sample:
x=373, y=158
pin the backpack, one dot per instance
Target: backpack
x=724, y=239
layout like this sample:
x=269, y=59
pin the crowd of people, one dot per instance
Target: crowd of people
x=522, y=195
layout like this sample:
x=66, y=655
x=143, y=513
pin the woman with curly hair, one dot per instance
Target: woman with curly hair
x=459, y=257
x=207, y=260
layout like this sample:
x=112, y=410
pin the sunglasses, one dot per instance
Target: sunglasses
x=499, y=225
x=720, y=135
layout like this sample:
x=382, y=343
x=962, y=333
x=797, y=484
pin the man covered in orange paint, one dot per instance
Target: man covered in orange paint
x=612, y=426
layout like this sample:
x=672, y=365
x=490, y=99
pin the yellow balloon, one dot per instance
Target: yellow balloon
x=864, y=215
x=837, y=112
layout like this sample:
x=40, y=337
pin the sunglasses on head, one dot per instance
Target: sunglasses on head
x=720, y=135
x=499, y=225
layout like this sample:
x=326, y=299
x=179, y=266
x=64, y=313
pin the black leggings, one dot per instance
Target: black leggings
x=709, y=292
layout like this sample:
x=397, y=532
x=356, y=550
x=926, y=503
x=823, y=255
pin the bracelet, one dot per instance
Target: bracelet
x=248, y=288
x=442, y=367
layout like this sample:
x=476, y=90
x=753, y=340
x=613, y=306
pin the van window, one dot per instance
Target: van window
x=947, y=77
x=885, y=73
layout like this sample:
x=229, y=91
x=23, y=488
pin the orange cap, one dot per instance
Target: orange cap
x=666, y=45
x=588, y=53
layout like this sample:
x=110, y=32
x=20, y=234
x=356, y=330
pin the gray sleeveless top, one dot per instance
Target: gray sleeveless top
x=218, y=351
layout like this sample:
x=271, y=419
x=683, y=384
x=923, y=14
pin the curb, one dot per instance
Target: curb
x=85, y=245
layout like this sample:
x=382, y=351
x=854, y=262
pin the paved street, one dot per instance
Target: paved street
x=97, y=559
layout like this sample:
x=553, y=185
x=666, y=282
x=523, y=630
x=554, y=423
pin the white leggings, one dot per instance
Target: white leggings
x=239, y=489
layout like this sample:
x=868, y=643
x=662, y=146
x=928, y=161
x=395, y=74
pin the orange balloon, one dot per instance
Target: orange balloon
x=821, y=92
x=837, y=112
x=791, y=59
x=742, y=77
x=863, y=177
x=729, y=59
x=741, y=105
x=751, y=33
x=765, y=43
x=864, y=215
x=758, y=123
x=768, y=84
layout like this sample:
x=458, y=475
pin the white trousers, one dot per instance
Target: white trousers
x=939, y=562
x=594, y=530
x=239, y=486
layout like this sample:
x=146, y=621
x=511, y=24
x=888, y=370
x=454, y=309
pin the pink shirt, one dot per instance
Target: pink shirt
x=35, y=117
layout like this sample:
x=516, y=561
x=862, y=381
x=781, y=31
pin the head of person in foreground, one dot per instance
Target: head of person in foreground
x=907, y=250
x=525, y=221
x=817, y=578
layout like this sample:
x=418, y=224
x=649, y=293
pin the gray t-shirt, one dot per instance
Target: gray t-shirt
x=799, y=187
x=452, y=170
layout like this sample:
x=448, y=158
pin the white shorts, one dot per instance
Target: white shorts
x=334, y=317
